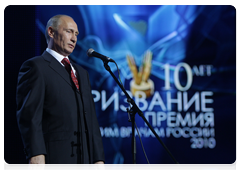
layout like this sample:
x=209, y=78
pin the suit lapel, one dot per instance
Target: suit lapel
x=57, y=67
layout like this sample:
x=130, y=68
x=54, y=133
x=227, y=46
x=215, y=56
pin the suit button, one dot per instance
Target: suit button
x=85, y=112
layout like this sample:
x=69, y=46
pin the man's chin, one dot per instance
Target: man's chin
x=68, y=52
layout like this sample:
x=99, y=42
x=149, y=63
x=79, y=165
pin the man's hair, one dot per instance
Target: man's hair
x=53, y=22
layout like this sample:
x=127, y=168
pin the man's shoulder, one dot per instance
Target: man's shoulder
x=37, y=59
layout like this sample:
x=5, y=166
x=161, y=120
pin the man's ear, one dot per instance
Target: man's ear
x=50, y=32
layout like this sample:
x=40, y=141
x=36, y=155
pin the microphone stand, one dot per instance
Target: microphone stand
x=135, y=109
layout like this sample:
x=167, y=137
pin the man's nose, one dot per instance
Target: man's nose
x=73, y=38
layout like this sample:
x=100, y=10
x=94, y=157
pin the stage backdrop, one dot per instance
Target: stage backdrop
x=178, y=63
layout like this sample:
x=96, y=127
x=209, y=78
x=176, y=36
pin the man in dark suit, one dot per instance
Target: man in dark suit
x=55, y=109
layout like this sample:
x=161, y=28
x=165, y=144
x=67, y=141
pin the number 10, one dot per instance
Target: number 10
x=176, y=77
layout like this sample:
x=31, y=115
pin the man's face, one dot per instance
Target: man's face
x=65, y=38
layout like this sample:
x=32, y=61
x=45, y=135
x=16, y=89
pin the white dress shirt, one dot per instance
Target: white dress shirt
x=59, y=58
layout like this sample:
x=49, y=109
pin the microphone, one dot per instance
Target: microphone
x=92, y=53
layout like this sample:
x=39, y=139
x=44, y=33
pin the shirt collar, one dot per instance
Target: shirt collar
x=56, y=55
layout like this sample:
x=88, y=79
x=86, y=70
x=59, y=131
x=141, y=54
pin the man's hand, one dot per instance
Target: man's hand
x=99, y=165
x=39, y=159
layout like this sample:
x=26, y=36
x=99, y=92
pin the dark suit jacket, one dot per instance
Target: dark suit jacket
x=54, y=118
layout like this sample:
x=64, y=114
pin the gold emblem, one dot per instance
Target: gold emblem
x=141, y=81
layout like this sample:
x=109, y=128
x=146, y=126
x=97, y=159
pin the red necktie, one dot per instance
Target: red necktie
x=66, y=63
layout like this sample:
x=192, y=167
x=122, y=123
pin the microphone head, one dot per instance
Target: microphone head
x=89, y=52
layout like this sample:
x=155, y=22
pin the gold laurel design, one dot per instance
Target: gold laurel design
x=141, y=81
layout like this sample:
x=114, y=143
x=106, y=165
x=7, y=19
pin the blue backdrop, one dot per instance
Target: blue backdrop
x=187, y=55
